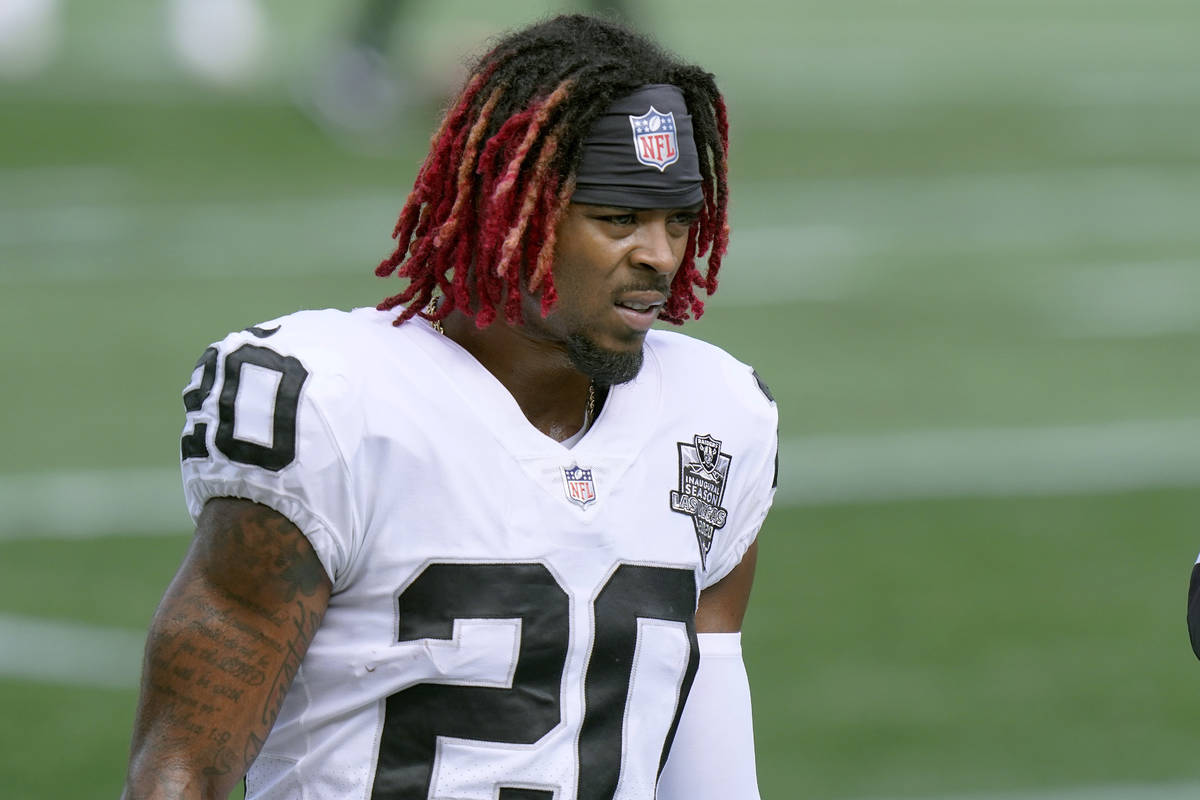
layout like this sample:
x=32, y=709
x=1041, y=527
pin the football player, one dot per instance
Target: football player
x=494, y=539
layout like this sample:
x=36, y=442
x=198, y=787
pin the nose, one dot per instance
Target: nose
x=656, y=248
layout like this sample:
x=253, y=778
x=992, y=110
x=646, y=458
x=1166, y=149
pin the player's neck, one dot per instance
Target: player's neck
x=551, y=393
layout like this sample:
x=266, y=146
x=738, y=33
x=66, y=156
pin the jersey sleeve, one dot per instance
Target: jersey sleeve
x=257, y=428
x=753, y=477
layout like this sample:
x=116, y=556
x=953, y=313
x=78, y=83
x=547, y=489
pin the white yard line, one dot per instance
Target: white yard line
x=1096, y=458
x=1126, y=300
x=86, y=504
x=67, y=653
x=814, y=470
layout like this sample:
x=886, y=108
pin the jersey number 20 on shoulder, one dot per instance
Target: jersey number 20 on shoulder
x=281, y=450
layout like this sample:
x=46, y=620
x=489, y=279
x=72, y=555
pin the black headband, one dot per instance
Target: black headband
x=641, y=153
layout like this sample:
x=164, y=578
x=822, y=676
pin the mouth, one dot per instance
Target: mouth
x=640, y=309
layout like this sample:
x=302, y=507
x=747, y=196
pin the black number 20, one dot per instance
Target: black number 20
x=530, y=707
x=282, y=450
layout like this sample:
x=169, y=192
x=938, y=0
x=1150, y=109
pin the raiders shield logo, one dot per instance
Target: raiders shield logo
x=703, y=473
x=654, y=140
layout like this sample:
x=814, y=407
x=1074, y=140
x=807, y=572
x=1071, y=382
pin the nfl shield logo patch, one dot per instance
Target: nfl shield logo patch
x=578, y=484
x=654, y=139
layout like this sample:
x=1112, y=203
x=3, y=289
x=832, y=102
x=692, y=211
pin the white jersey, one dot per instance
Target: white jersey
x=511, y=619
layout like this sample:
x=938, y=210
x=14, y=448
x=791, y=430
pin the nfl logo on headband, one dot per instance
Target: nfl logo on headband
x=654, y=139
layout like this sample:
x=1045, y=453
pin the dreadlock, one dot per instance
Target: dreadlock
x=481, y=221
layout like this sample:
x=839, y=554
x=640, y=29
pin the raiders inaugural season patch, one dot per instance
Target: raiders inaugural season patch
x=703, y=473
x=654, y=138
x=579, y=486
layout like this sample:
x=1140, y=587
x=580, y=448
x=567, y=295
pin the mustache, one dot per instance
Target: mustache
x=662, y=285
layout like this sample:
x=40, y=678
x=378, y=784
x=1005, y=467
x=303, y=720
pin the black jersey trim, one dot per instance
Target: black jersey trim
x=762, y=386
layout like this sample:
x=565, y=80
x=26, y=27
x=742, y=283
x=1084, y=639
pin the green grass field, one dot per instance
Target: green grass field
x=964, y=257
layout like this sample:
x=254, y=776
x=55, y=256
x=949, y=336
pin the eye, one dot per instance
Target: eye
x=618, y=219
x=682, y=222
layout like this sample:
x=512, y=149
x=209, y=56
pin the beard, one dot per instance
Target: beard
x=604, y=367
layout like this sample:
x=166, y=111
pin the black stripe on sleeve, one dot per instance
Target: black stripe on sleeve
x=762, y=385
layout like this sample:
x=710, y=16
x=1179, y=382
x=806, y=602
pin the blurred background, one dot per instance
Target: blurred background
x=964, y=257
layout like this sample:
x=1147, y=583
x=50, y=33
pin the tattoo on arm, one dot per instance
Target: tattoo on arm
x=226, y=643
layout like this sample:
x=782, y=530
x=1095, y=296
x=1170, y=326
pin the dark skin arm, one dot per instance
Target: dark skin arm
x=722, y=606
x=223, y=648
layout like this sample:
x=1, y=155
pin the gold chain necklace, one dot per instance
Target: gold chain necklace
x=589, y=411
